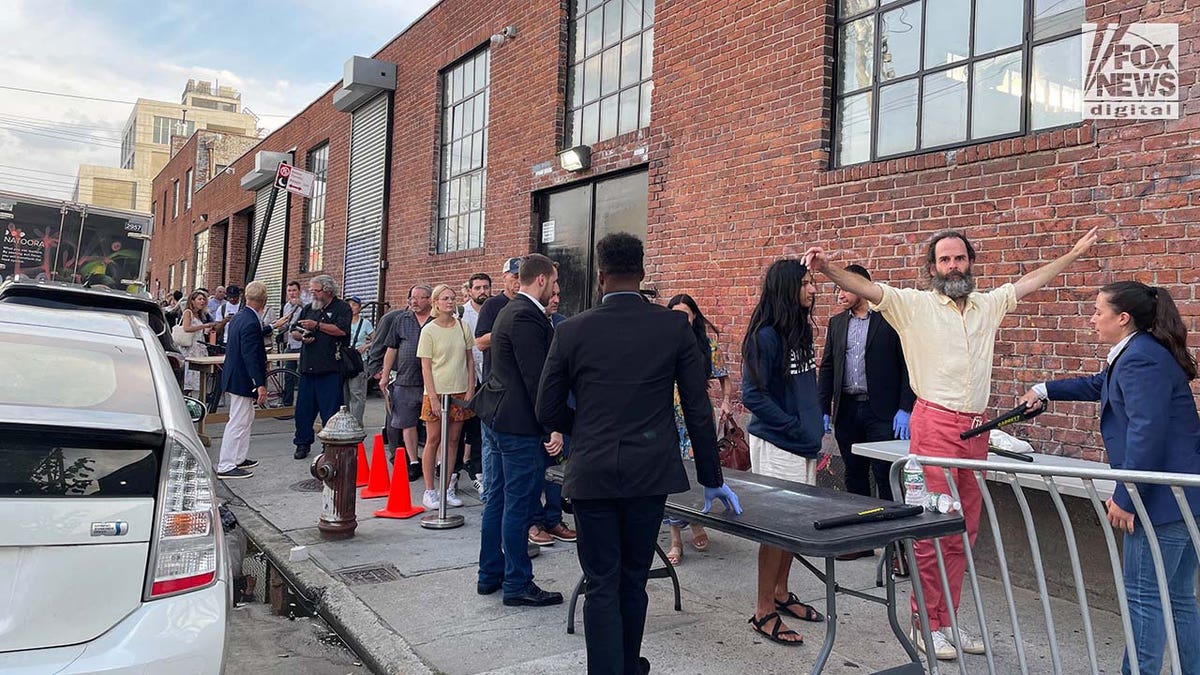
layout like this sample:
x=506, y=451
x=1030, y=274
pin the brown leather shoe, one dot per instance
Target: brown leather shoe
x=856, y=555
x=538, y=536
x=562, y=533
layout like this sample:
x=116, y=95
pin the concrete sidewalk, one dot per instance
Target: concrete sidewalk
x=404, y=597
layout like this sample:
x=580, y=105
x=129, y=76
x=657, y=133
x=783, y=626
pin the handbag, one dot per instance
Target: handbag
x=181, y=337
x=350, y=362
x=732, y=448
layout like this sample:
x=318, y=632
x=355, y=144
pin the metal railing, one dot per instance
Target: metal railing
x=1052, y=478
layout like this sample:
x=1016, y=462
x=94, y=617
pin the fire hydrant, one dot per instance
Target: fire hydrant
x=336, y=467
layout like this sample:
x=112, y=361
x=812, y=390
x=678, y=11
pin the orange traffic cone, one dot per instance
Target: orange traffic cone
x=399, y=503
x=363, y=469
x=377, y=484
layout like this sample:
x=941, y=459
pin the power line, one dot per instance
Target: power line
x=57, y=130
x=73, y=125
x=102, y=100
x=25, y=168
x=59, y=137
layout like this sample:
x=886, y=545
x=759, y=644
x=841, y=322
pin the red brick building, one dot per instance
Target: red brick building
x=729, y=134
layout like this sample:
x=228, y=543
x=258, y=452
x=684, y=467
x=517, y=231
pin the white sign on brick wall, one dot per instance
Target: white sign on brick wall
x=1131, y=72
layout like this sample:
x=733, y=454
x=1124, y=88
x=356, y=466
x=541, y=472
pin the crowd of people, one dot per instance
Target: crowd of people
x=530, y=388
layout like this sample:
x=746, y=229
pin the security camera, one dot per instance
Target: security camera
x=508, y=33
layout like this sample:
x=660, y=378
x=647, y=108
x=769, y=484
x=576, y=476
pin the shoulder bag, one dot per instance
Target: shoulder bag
x=732, y=448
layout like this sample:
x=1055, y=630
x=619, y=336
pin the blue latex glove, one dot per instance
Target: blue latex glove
x=725, y=495
x=828, y=426
x=900, y=425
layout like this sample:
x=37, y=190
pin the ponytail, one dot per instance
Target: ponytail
x=1153, y=310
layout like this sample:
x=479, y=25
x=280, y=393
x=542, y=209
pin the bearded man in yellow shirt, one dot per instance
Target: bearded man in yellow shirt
x=948, y=333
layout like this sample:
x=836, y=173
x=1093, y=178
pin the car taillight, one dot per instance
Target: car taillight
x=186, y=553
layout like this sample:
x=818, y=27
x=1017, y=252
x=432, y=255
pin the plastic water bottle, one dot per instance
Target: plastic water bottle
x=914, y=483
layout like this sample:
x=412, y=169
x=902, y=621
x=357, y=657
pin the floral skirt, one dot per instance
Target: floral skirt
x=457, y=412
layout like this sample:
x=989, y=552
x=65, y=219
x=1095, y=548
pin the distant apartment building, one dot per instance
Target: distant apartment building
x=146, y=143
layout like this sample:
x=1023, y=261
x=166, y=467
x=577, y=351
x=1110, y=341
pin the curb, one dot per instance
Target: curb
x=381, y=649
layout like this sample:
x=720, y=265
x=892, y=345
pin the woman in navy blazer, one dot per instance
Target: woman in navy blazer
x=1149, y=422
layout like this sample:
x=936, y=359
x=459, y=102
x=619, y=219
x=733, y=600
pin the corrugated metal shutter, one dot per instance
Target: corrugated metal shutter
x=364, y=218
x=270, y=263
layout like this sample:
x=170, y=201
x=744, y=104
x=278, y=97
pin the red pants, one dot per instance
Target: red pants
x=935, y=433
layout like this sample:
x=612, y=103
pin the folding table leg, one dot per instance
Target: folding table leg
x=571, y=605
x=830, y=616
x=670, y=572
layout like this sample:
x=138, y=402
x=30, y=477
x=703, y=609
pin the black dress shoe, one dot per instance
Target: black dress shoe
x=487, y=589
x=534, y=597
x=856, y=555
x=643, y=665
x=301, y=451
x=414, y=471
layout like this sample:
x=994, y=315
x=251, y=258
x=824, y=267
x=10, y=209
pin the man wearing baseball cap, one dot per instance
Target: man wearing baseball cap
x=231, y=306
x=483, y=340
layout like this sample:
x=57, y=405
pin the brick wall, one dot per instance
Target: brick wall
x=738, y=154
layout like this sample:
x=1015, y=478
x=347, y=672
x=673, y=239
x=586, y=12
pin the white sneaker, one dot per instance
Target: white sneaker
x=969, y=643
x=477, y=483
x=430, y=500
x=452, y=493
x=942, y=649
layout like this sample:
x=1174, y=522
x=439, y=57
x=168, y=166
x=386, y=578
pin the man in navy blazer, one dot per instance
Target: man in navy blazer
x=244, y=377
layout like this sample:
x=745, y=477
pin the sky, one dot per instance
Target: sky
x=281, y=55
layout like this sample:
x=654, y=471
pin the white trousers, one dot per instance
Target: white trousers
x=235, y=443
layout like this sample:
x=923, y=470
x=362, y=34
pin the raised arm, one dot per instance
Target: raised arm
x=818, y=260
x=1038, y=278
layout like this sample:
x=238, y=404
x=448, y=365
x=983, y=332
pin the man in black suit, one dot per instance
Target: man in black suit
x=863, y=387
x=505, y=404
x=622, y=360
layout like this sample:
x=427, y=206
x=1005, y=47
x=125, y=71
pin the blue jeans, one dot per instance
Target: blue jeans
x=317, y=393
x=549, y=516
x=489, y=454
x=512, y=489
x=1145, y=604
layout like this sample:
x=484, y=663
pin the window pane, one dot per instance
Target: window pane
x=1052, y=17
x=644, y=108
x=631, y=17
x=591, y=123
x=854, y=129
x=576, y=86
x=648, y=12
x=856, y=53
x=608, y=117
x=996, y=92
x=610, y=71
x=647, y=53
x=1055, y=92
x=897, y=119
x=852, y=7
x=944, y=107
x=480, y=112
x=629, y=111
x=631, y=61
x=947, y=26
x=998, y=24
x=593, y=3
x=455, y=85
x=580, y=45
x=594, y=32
x=612, y=22
x=476, y=150
x=900, y=53
x=577, y=127
x=469, y=78
x=591, y=79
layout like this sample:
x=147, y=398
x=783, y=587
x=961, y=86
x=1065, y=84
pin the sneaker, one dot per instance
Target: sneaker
x=452, y=493
x=969, y=643
x=477, y=483
x=942, y=649
x=235, y=472
x=562, y=533
x=538, y=536
x=430, y=500
x=414, y=471
x=248, y=464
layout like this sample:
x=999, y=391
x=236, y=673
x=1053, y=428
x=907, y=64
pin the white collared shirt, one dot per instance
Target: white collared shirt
x=540, y=306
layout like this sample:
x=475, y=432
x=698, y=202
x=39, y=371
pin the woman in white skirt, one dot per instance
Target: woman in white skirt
x=779, y=388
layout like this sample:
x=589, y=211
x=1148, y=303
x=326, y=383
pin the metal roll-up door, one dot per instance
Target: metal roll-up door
x=364, y=218
x=270, y=262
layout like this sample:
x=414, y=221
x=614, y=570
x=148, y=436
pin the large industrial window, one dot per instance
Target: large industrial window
x=931, y=74
x=171, y=278
x=312, y=241
x=464, y=154
x=612, y=50
x=201, y=248
x=164, y=127
x=188, y=186
x=175, y=199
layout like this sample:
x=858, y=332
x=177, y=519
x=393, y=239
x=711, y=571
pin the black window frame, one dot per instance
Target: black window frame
x=307, y=231
x=446, y=176
x=1026, y=48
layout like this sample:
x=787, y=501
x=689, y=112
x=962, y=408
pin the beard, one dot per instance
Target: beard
x=954, y=285
x=318, y=304
x=481, y=298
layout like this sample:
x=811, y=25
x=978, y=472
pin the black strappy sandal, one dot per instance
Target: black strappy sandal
x=807, y=612
x=775, y=635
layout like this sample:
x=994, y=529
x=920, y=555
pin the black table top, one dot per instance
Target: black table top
x=781, y=513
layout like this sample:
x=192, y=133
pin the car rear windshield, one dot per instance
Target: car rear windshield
x=70, y=465
x=52, y=372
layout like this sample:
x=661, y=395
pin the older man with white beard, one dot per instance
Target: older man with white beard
x=948, y=334
x=322, y=327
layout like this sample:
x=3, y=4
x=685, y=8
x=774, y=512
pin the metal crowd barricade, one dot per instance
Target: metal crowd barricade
x=1052, y=478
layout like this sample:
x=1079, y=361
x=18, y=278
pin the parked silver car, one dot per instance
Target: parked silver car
x=111, y=555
